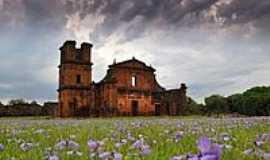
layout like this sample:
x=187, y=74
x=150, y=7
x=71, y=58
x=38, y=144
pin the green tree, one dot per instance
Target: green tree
x=34, y=103
x=17, y=102
x=193, y=107
x=253, y=102
x=235, y=103
x=216, y=104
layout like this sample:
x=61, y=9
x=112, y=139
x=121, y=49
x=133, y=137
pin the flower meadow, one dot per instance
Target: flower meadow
x=137, y=138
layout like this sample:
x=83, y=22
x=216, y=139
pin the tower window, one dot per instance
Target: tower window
x=78, y=79
x=133, y=81
x=78, y=56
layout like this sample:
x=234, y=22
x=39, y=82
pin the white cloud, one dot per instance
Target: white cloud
x=83, y=28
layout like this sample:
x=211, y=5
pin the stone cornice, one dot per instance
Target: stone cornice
x=74, y=88
x=76, y=63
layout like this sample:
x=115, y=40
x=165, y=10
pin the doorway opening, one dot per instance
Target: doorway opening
x=157, y=109
x=135, y=107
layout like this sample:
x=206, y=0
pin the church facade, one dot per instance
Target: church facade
x=129, y=88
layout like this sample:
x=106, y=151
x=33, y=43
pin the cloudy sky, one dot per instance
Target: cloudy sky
x=214, y=46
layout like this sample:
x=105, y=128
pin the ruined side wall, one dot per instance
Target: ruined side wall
x=174, y=102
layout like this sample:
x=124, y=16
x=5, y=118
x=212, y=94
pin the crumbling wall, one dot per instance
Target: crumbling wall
x=174, y=101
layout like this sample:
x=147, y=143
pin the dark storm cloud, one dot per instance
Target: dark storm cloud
x=222, y=42
x=171, y=13
x=44, y=14
x=116, y=11
x=245, y=10
x=171, y=10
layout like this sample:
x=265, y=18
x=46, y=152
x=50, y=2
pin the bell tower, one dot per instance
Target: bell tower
x=75, y=77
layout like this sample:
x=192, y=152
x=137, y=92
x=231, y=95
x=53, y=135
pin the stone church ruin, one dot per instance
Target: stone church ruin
x=129, y=88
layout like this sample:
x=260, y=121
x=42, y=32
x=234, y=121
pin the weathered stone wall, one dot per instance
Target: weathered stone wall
x=75, y=76
x=174, y=102
x=144, y=100
x=116, y=89
x=68, y=73
x=50, y=108
x=105, y=100
x=74, y=100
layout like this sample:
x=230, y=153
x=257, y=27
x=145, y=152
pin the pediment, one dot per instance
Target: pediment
x=132, y=63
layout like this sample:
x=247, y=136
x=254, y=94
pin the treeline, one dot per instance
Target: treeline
x=20, y=107
x=253, y=102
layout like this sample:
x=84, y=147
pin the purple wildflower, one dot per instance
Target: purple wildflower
x=118, y=144
x=262, y=140
x=53, y=157
x=208, y=150
x=117, y=156
x=104, y=155
x=2, y=147
x=145, y=150
x=129, y=137
x=204, y=145
x=265, y=137
x=248, y=151
x=259, y=143
x=138, y=144
x=193, y=157
x=61, y=145
x=73, y=145
x=93, y=145
x=209, y=157
x=67, y=143
x=178, y=136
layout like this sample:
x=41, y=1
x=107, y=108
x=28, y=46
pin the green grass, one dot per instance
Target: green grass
x=158, y=133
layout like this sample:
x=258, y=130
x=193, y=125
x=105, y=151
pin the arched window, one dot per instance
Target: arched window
x=133, y=81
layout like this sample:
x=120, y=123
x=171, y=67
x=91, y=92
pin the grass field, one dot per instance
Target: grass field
x=149, y=138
